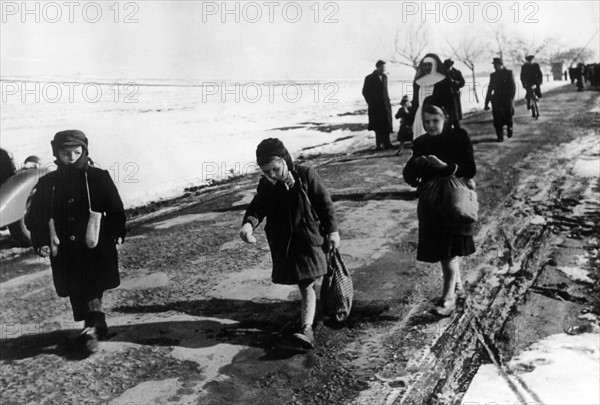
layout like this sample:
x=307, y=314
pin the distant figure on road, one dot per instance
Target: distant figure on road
x=501, y=93
x=578, y=75
x=531, y=79
x=565, y=74
x=59, y=221
x=457, y=82
x=375, y=92
x=287, y=196
x=431, y=86
x=405, y=133
x=442, y=151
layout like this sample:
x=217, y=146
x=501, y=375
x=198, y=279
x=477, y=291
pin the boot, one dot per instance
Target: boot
x=88, y=338
x=98, y=321
x=499, y=135
x=509, y=132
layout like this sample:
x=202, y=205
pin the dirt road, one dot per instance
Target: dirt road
x=196, y=317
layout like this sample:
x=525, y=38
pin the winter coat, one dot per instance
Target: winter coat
x=62, y=195
x=375, y=92
x=457, y=82
x=531, y=74
x=501, y=92
x=453, y=147
x=293, y=231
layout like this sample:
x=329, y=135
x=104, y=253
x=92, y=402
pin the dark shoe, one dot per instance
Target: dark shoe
x=500, y=139
x=509, y=133
x=305, y=338
x=89, y=339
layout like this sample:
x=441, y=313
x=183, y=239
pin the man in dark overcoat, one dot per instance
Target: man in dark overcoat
x=531, y=75
x=375, y=92
x=457, y=82
x=501, y=93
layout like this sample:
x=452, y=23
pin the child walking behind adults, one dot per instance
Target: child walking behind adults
x=442, y=152
x=58, y=221
x=300, y=224
x=405, y=133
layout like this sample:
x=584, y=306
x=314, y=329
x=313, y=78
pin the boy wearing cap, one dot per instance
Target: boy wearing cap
x=58, y=221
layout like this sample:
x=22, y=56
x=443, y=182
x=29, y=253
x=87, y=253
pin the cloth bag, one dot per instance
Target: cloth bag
x=448, y=200
x=337, y=290
x=92, y=232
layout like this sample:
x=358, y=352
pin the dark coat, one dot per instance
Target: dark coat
x=453, y=147
x=531, y=74
x=76, y=267
x=292, y=230
x=375, y=92
x=501, y=93
x=457, y=82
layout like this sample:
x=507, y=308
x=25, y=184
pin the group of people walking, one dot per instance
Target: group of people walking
x=440, y=84
x=77, y=218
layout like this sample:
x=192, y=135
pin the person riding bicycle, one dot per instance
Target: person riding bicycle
x=531, y=79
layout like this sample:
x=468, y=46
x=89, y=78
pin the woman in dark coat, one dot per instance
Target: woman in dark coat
x=58, y=219
x=441, y=152
x=296, y=205
x=432, y=83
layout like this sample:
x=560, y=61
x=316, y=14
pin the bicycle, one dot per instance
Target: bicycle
x=532, y=100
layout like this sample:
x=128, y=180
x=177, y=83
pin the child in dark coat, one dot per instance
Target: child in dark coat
x=405, y=133
x=300, y=218
x=58, y=220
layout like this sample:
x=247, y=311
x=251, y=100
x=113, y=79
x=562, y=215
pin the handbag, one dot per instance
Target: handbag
x=92, y=232
x=337, y=290
x=449, y=200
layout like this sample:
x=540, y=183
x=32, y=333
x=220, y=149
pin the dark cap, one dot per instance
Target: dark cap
x=71, y=137
x=497, y=61
x=529, y=57
x=379, y=63
x=448, y=62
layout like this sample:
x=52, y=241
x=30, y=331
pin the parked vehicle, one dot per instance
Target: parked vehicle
x=15, y=198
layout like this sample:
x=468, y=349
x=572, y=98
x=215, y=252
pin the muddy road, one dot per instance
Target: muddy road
x=196, y=319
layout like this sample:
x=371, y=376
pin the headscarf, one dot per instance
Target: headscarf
x=270, y=149
x=426, y=81
x=68, y=138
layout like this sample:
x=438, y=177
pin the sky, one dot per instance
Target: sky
x=303, y=40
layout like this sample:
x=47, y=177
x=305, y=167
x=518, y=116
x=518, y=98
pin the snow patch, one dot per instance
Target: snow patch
x=211, y=359
x=542, y=368
x=184, y=219
x=148, y=392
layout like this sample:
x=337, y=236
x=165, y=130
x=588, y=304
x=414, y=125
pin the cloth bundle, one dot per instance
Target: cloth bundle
x=448, y=200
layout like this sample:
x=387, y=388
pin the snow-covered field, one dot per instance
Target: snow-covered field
x=157, y=138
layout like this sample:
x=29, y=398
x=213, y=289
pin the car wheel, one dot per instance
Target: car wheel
x=18, y=230
x=20, y=233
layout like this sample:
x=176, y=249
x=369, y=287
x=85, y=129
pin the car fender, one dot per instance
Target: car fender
x=14, y=193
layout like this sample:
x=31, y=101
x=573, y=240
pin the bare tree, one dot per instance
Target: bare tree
x=468, y=51
x=502, y=39
x=520, y=48
x=409, y=47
